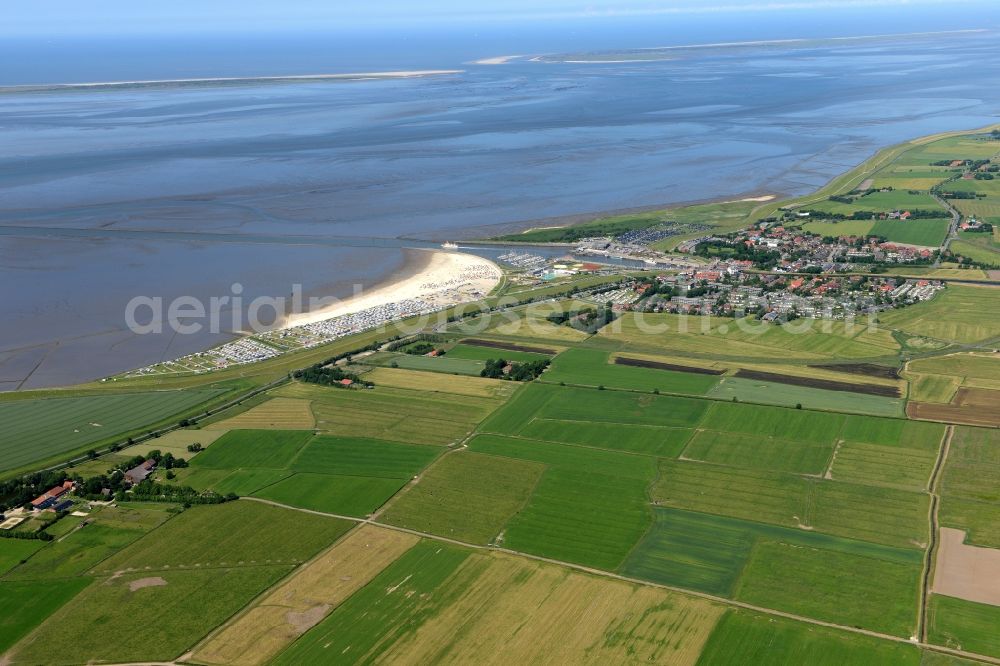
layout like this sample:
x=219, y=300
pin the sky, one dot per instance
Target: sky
x=97, y=17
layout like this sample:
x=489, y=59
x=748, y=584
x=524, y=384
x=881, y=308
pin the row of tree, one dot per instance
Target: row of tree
x=518, y=372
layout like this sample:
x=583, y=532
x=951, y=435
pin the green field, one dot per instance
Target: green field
x=846, y=588
x=13, y=551
x=965, y=625
x=363, y=457
x=790, y=424
x=890, y=466
x=340, y=475
x=466, y=496
x=217, y=535
x=973, y=468
x=447, y=364
x=882, y=202
x=391, y=606
x=24, y=606
x=743, y=637
x=266, y=449
x=477, y=353
x=651, y=440
x=746, y=338
x=753, y=452
x=590, y=367
x=710, y=554
x=838, y=228
x=239, y=482
x=929, y=233
x=980, y=250
x=879, y=515
x=788, y=395
x=111, y=529
x=395, y=414
x=332, y=493
x=970, y=499
x=961, y=314
x=110, y=620
x=589, y=507
x=39, y=429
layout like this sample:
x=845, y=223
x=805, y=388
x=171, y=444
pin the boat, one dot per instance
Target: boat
x=449, y=246
x=651, y=262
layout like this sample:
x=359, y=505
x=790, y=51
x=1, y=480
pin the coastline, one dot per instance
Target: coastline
x=296, y=78
x=482, y=234
x=437, y=277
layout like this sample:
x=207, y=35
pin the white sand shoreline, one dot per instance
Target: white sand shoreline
x=446, y=279
x=401, y=74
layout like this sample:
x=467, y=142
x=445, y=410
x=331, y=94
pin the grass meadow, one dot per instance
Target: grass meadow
x=183, y=606
x=395, y=414
x=24, y=606
x=964, y=625
x=241, y=533
x=40, y=429
x=589, y=507
x=265, y=449
x=744, y=637
x=591, y=367
x=466, y=496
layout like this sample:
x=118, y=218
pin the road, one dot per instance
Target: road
x=956, y=217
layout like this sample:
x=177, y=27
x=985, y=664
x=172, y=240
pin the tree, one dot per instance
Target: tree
x=92, y=454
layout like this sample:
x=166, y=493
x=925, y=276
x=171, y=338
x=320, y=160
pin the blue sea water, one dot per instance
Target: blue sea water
x=452, y=156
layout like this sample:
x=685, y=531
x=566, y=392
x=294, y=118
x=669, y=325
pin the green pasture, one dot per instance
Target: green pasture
x=964, y=625
x=332, y=493
x=110, y=620
x=478, y=353
x=650, y=440
x=961, y=313
x=745, y=637
x=880, y=515
x=929, y=232
x=754, y=452
x=391, y=607
x=591, y=367
x=466, y=496
x=235, y=533
x=589, y=507
x=264, y=449
x=354, y=456
x=788, y=395
x=853, y=589
x=39, y=429
x=394, y=414
x=24, y=606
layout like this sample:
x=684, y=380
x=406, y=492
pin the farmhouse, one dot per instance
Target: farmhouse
x=140, y=472
x=47, y=499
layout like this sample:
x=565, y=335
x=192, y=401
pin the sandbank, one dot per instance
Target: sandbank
x=437, y=278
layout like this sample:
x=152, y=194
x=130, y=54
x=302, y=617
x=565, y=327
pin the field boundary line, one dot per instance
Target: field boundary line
x=678, y=590
x=933, y=489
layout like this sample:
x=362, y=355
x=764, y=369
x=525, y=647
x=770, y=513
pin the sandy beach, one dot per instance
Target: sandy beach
x=437, y=278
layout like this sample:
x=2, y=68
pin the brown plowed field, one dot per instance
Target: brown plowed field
x=494, y=344
x=849, y=387
x=642, y=363
x=866, y=369
x=972, y=406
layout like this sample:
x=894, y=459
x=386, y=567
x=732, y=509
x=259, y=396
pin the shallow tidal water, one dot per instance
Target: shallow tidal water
x=437, y=158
